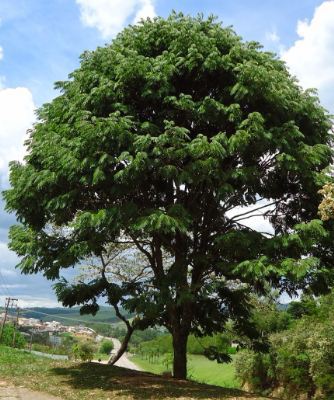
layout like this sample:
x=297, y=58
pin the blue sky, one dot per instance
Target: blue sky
x=40, y=43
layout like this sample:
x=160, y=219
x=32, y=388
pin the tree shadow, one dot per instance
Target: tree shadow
x=140, y=385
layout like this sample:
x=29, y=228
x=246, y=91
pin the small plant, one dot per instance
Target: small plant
x=168, y=360
x=83, y=351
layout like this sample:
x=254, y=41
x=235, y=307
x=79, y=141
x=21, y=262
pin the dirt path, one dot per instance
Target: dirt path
x=123, y=362
x=8, y=392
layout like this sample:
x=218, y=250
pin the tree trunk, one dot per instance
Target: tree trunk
x=180, y=340
x=124, y=346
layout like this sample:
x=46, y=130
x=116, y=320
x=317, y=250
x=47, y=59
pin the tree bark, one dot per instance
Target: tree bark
x=180, y=340
x=124, y=346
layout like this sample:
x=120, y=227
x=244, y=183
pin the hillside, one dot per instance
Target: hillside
x=71, y=316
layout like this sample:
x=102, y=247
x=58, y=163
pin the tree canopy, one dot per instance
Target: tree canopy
x=173, y=138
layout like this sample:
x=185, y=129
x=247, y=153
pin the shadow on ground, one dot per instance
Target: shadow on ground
x=141, y=385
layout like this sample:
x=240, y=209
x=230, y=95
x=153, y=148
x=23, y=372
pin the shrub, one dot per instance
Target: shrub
x=106, y=346
x=83, y=351
x=300, y=360
x=255, y=370
x=8, y=335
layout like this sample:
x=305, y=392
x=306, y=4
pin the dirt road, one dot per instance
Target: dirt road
x=123, y=362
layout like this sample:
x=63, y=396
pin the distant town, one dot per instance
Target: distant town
x=52, y=327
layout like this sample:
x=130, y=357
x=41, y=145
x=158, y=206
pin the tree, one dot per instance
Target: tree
x=115, y=274
x=306, y=306
x=175, y=137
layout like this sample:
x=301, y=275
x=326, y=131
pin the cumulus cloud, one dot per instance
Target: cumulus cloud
x=311, y=57
x=110, y=16
x=16, y=116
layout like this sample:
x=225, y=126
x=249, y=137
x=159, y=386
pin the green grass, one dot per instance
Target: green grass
x=102, y=356
x=86, y=381
x=200, y=369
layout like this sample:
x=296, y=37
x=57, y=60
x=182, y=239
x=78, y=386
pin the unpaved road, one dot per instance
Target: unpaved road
x=123, y=362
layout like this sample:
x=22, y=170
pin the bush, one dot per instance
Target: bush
x=8, y=334
x=106, y=346
x=300, y=360
x=83, y=351
x=255, y=370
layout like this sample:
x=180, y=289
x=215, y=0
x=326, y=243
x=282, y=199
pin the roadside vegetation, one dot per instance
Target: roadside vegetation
x=11, y=336
x=300, y=359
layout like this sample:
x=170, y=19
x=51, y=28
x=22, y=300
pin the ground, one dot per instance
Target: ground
x=84, y=381
x=8, y=392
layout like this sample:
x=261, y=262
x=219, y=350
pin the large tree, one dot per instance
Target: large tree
x=175, y=137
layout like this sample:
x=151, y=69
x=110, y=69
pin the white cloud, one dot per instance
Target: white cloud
x=273, y=36
x=1, y=53
x=146, y=10
x=27, y=301
x=311, y=57
x=252, y=219
x=110, y=16
x=16, y=116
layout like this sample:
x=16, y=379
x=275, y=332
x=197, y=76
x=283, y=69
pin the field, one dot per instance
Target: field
x=84, y=381
x=200, y=370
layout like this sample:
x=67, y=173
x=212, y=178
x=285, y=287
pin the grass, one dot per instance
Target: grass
x=200, y=369
x=101, y=356
x=84, y=381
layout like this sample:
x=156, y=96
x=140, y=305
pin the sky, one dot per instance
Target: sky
x=41, y=41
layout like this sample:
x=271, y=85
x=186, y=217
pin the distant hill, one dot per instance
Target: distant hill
x=71, y=316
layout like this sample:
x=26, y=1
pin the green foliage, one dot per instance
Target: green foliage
x=83, y=351
x=8, y=335
x=163, y=345
x=300, y=360
x=306, y=306
x=255, y=369
x=160, y=138
x=106, y=346
x=60, y=350
x=268, y=318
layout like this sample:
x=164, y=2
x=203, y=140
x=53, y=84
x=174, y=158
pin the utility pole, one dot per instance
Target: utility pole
x=16, y=325
x=8, y=301
x=31, y=336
